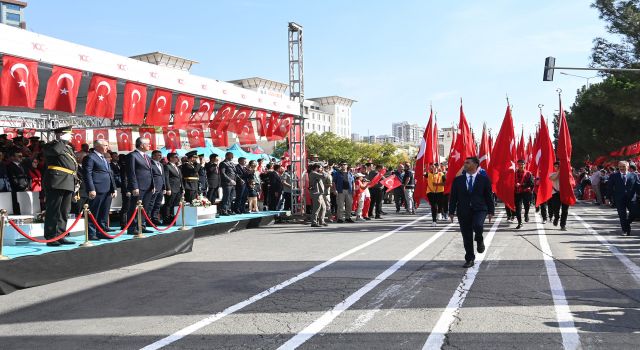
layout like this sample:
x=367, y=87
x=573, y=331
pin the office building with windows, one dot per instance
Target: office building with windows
x=12, y=13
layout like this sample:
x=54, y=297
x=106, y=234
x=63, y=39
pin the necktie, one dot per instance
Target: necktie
x=147, y=159
x=470, y=184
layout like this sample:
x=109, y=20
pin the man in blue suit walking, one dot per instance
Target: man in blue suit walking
x=140, y=183
x=471, y=198
x=624, y=186
x=101, y=187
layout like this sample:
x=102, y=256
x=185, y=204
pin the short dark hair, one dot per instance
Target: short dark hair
x=171, y=154
x=276, y=167
x=315, y=167
x=520, y=161
x=556, y=163
x=242, y=158
x=153, y=153
x=212, y=156
x=474, y=160
x=633, y=167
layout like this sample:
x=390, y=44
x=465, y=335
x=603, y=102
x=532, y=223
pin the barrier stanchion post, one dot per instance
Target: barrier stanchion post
x=3, y=213
x=140, y=208
x=86, y=243
x=182, y=210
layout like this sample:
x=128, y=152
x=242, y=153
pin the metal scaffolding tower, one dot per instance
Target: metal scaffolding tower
x=296, y=135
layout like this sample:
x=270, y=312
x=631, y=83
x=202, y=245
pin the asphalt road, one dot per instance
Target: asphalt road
x=395, y=283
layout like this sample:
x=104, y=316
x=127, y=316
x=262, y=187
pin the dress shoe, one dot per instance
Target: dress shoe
x=324, y=224
x=340, y=221
x=66, y=241
x=626, y=233
x=349, y=221
x=383, y=213
x=224, y=213
x=315, y=225
x=526, y=218
x=146, y=231
x=555, y=222
x=481, y=247
x=94, y=238
x=544, y=221
x=367, y=218
x=104, y=237
x=53, y=244
x=519, y=226
x=563, y=228
x=378, y=217
x=468, y=264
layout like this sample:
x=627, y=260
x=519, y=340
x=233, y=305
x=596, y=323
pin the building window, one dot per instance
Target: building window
x=441, y=149
x=306, y=110
x=14, y=17
x=13, y=7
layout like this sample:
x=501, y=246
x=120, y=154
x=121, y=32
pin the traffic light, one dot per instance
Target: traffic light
x=549, y=64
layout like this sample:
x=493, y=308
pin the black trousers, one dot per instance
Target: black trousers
x=170, y=201
x=272, y=200
x=241, y=199
x=468, y=226
x=510, y=213
x=626, y=213
x=99, y=207
x=398, y=198
x=212, y=194
x=287, y=200
x=190, y=195
x=435, y=200
x=523, y=199
x=228, y=195
x=124, y=210
x=556, y=206
x=444, y=204
x=156, y=204
x=58, y=207
x=146, y=197
x=543, y=211
x=376, y=202
x=14, y=203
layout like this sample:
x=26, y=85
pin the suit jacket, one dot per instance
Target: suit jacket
x=139, y=174
x=189, y=173
x=123, y=163
x=227, y=173
x=213, y=174
x=115, y=169
x=465, y=203
x=158, y=176
x=242, y=175
x=18, y=177
x=59, y=153
x=97, y=174
x=173, y=178
x=622, y=193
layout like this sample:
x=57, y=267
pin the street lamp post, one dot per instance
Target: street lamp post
x=580, y=76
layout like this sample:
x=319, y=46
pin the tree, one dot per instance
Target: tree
x=623, y=21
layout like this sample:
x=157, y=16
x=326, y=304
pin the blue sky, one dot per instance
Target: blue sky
x=394, y=58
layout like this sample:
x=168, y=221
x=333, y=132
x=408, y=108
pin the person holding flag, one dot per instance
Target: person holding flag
x=435, y=192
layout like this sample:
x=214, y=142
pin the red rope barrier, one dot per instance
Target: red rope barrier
x=175, y=219
x=33, y=239
x=95, y=223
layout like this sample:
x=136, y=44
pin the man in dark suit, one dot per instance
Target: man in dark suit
x=624, y=187
x=471, y=199
x=202, y=175
x=115, y=168
x=228, y=178
x=59, y=181
x=173, y=187
x=213, y=178
x=157, y=169
x=241, y=186
x=101, y=187
x=190, y=176
x=18, y=178
x=123, y=163
x=140, y=183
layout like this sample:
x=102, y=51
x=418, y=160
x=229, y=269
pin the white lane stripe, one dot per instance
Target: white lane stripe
x=329, y=316
x=570, y=338
x=436, y=337
x=236, y=307
x=630, y=265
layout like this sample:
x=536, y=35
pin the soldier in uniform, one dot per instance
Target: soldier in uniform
x=190, y=172
x=60, y=182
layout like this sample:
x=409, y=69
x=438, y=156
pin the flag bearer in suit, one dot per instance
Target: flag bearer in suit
x=101, y=187
x=60, y=182
x=471, y=199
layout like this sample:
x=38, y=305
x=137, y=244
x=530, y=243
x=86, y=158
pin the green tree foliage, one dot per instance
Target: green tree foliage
x=623, y=21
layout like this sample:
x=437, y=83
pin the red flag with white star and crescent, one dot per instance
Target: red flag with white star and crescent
x=124, y=139
x=159, y=108
x=182, y=113
x=247, y=135
x=564, y=150
x=135, y=99
x=149, y=133
x=101, y=134
x=485, y=152
x=171, y=138
x=222, y=118
x=544, y=159
x=219, y=138
x=502, y=169
x=101, y=97
x=426, y=156
x=195, y=135
x=62, y=89
x=19, y=82
x=204, y=112
x=78, y=137
x=463, y=148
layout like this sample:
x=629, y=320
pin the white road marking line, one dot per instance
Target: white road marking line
x=329, y=316
x=570, y=337
x=236, y=307
x=630, y=265
x=436, y=337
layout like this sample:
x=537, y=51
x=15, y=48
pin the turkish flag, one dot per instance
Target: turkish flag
x=426, y=156
x=377, y=178
x=535, y=147
x=27, y=133
x=521, y=153
x=79, y=137
x=485, y=151
x=149, y=133
x=283, y=127
x=171, y=138
x=195, y=134
x=182, y=113
x=221, y=121
x=632, y=149
x=219, y=138
x=464, y=148
x=11, y=132
x=101, y=134
x=600, y=160
x=544, y=158
x=19, y=82
x=135, y=99
x=62, y=89
x=159, y=108
x=271, y=124
x=203, y=115
x=261, y=123
x=392, y=182
x=247, y=135
x=124, y=137
x=239, y=119
x=502, y=170
x=564, y=156
x=529, y=153
x=101, y=97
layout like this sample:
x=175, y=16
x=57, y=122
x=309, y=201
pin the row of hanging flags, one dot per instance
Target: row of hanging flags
x=499, y=159
x=19, y=88
x=631, y=151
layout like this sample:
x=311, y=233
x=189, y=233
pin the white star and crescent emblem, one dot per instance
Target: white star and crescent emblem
x=105, y=84
x=164, y=103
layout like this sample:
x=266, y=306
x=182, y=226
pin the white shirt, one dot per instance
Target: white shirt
x=473, y=179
